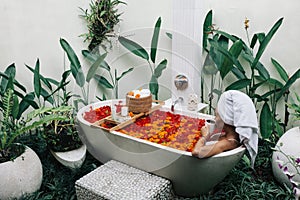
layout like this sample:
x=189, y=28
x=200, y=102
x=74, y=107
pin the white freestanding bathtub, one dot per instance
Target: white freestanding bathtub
x=189, y=175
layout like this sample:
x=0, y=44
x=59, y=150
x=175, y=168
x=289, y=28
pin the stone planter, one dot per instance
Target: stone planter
x=290, y=146
x=72, y=159
x=22, y=176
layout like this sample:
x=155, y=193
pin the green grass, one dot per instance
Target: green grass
x=241, y=183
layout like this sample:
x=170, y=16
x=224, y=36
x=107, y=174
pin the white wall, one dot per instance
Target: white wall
x=31, y=29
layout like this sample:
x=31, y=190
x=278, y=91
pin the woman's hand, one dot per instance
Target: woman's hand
x=205, y=131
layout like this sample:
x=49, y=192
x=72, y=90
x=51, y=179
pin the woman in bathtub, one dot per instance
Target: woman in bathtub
x=236, y=116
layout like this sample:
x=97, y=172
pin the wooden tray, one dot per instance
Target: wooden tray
x=119, y=125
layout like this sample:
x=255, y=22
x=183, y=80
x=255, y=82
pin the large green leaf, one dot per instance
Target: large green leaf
x=15, y=108
x=228, y=56
x=27, y=100
x=154, y=40
x=227, y=64
x=263, y=72
x=46, y=81
x=206, y=28
x=265, y=42
x=103, y=81
x=70, y=53
x=281, y=71
x=10, y=71
x=215, y=55
x=265, y=121
x=240, y=84
x=93, y=58
x=238, y=74
x=37, y=79
x=289, y=83
x=75, y=64
x=161, y=66
x=94, y=67
x=134, y=48
x=233, y=38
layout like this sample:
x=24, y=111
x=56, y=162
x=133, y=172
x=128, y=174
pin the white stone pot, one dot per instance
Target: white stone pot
x=22, y=176
x=290, y=146
x=72, y=159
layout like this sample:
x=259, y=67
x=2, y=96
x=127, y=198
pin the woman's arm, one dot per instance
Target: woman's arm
x=203, y=151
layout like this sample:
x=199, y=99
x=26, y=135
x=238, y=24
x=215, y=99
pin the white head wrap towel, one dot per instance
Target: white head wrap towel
x=236, y=108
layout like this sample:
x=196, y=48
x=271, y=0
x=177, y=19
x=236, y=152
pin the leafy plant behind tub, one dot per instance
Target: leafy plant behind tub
x=138, y=50
x=240, y=60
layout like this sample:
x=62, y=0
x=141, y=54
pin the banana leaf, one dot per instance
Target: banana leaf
x=10, y=71
x=265, y=121
x=37, y=79
x=27, y=101
x=134, y=48
x=227, y=64
x=206, y=28
x=265, y=42
x=282, y=73
x=103, y=81
x=75, y=64
x=240, y=84
x=46, y=81
x=154, y=40
x=288, y=84
x=93, y=58
x=94, y=67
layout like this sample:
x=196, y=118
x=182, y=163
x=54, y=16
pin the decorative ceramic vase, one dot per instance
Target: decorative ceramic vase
x=72, y=159
x=193, y=102
x=289, y=143
x=21, y=176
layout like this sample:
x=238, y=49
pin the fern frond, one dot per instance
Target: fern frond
x=8, y=102
x=45, y=120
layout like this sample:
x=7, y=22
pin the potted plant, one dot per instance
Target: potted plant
x=101, y=19
x=61, y=135
x=20, y=167
x=64, y=143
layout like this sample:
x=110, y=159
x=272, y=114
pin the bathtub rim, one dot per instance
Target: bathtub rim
x=177, y=151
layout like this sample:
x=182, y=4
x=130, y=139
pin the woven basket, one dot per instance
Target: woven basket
x=139, y=105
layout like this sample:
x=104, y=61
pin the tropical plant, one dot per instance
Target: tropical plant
x=98, y=62
x=138, y=50
x=82, y=80
x=11, y=129
x=78, y=74
x=101, y=19
x=228, y=61
x=60, y=135
x=8, y=81
x=49, y=90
